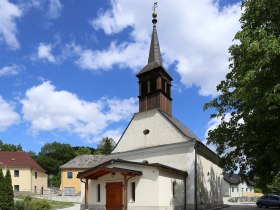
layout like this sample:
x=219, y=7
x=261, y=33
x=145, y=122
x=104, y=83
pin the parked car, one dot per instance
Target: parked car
x=270, y=200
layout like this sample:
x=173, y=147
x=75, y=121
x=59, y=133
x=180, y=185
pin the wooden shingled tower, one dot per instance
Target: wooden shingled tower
x=154, y=80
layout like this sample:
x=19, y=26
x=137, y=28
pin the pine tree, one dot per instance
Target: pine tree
x=2, y=189
x=9, y=198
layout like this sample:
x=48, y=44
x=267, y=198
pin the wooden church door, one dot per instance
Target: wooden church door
x=114, y=196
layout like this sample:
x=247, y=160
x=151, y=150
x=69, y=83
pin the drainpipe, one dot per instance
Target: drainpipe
x=195, y=174
x=185, y=192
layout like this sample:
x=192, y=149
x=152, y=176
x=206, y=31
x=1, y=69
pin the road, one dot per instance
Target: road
x=246, y=207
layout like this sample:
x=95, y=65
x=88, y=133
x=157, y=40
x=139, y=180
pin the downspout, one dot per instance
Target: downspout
x=85, y=189
x=195, y=174
x=185, y=192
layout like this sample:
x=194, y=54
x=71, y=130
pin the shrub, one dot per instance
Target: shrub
x=38, y=205
x=19, y=205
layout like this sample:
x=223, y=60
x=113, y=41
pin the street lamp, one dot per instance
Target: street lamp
x=4, y=165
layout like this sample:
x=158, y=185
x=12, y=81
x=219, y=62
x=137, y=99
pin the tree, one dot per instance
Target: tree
x=52, y=156
x=2, y=189
x=32, y=154
x=9, y=193
x=10, y=147
x=83, y=151
x=249, y=104
x=105, y=146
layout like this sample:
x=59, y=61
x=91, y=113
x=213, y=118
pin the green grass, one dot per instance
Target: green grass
x=53, y=204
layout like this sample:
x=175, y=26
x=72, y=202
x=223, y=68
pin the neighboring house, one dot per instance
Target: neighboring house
x=158, y=163
x=70, y=184
x=27, y=175
x=235, y=186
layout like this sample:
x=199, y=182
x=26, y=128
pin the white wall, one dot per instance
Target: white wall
x=161, y=132
x=209, y=183
x=179, y=155
x=166, y=197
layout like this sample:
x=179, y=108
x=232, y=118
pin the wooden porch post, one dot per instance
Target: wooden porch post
x=125, y=193
x=86, y=194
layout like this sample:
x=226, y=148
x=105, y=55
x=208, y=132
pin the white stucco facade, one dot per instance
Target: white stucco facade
x=153, y=189
x=161, y=132
x=237, y=190
x=165, y=144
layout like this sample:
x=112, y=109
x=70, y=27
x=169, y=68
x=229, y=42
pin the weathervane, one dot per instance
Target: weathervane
x=154, y=21
x=154, y=7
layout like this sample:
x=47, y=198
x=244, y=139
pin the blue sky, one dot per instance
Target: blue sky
x=67, y=68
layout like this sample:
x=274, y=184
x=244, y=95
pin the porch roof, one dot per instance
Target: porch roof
x=97, y=172
x=101, y=169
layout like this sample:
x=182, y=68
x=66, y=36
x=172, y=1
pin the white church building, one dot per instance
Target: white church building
x=158, y=163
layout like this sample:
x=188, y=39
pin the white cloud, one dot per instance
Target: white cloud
x=45, y=52
x=113, y=21
x=195, y=35
x=115, y=55
x=54, y=10
x=9, y=70
x=8, y=29
x=8, y=116
x=49, y=109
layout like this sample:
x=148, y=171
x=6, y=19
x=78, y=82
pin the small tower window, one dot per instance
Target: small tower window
x=168, y=90
x=163, y=85
x=144, y=88
x=153, y=84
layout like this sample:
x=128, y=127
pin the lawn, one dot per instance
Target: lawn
x=53, y=204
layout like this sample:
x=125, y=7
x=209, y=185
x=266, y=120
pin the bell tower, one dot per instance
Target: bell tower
x=154, y=80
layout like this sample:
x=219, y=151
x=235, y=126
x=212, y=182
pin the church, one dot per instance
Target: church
x=158, y=163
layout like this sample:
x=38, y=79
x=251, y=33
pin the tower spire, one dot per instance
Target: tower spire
x=154, y=54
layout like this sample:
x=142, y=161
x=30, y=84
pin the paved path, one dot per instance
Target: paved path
x=75, y=207
x=237, y=206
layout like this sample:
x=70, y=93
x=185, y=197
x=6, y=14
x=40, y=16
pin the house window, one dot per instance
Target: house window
x=69, y=174
x=246, y=189
x=16, y=188
x=133, y=191
x=98, y=193
x=35, y=175
x=16, y=173
x=35, y=189
x=237, y=189
x=174, y=186
x=232, y=189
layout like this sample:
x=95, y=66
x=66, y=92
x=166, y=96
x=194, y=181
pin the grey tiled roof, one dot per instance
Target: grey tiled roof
x=236, y=179
x=186, y=131
x=85, y=161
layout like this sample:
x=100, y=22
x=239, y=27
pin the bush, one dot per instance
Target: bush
x=38, y=205
x=19, y=205
x=28, y=199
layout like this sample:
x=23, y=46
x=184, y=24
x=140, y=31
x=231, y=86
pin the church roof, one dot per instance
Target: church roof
x=85, y=161
x=112, y=161
x=181, y=127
